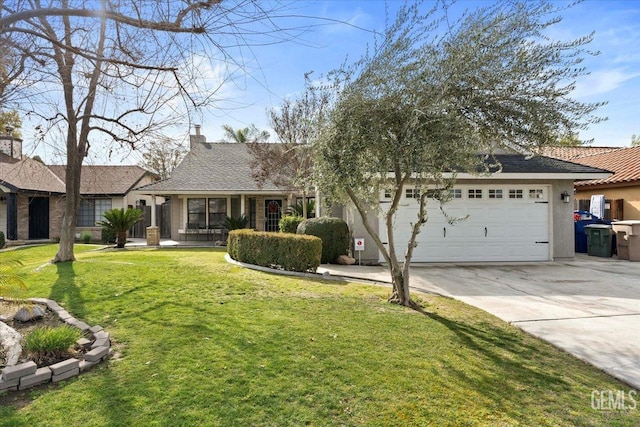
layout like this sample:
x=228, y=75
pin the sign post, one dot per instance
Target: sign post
x=358, y=246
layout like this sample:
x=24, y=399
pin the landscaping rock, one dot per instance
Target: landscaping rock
x=345, y=260
x=27, y=313
x=10, y=342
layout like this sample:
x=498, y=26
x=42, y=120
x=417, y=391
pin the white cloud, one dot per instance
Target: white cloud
x=599, y=82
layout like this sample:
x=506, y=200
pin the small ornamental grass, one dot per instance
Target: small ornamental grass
x=45, y=344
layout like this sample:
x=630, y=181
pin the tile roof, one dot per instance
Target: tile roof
x=29, y=175
x=213, y=166
x=570, y=153
x=623, y=162
x=111, y=180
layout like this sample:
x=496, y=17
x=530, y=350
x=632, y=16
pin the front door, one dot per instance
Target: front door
x=272, y=214
x=38, y=218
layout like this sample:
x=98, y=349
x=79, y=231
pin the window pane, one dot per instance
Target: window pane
x=218, y=205
x=495, y=194
x=86, y=213
x=217, y=212
x=196, y=215
x=515, y=194
x=475, y=193
x=101, y=206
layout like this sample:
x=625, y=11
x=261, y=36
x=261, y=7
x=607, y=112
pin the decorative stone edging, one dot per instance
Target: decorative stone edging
x=26, y=375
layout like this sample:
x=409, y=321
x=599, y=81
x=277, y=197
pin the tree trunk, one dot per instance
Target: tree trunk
x=121, y=239
x=400, y=294
x=71, y=205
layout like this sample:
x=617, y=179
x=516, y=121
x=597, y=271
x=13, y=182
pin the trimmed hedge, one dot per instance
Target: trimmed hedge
x=334, y=233
x=290, y=223
x=2, y=240
x=291, y=252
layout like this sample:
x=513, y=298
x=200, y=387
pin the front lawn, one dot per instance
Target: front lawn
x=203, y=342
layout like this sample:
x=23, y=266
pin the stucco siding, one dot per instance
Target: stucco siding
x=630, y=195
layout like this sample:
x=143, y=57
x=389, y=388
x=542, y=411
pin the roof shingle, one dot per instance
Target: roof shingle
x=213, y=166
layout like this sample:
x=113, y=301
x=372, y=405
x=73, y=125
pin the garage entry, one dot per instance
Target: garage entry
x=481, y=223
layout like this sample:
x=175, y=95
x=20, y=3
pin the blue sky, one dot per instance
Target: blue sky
x=277, y=71
x=614, y=73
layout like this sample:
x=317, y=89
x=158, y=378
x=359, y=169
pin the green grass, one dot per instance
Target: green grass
x=46, y=339
x=203, y=342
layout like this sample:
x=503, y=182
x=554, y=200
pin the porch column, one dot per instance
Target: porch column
x=242, y=205
x=153, y=231
x=228, y=206
x=153, y=210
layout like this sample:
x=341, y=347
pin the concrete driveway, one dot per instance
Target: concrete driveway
x=589, y=307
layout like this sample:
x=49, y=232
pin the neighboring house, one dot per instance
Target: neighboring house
x=107, y=187
x=213, y=182
x=621, y=189
x=32, y=196
x=31, y=202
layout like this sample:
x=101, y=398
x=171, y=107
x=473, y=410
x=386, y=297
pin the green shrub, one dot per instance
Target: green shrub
x=2, y=240
x=291, y=252
x=85, y=237
x=333, y=232
x=290, y=223
x=108, y=235
x=49, y=343
x=236, y=223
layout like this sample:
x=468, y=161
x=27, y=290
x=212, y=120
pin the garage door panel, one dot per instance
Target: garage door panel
x=504, y=227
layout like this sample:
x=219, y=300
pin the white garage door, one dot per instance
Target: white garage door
x=495, y=223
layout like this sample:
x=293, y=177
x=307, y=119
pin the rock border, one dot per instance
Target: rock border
x=27, y=374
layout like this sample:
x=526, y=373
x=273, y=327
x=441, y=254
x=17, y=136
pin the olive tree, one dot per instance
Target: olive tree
x=99, y=72
x=435, y=97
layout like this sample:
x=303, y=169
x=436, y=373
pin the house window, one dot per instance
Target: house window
x=197, y=213
x=474, y=193
x=495, y=194
x=535, y=194
x=217, y=212
x=412, y=193
x=515, y=194
x=387, y=194
x=91, y=211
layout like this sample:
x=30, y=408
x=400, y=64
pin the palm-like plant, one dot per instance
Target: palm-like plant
x=120, y=221
x=10, y=281
x=298, y=209
x=237, y=223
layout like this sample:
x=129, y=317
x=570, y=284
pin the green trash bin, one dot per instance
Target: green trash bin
x=599, y=238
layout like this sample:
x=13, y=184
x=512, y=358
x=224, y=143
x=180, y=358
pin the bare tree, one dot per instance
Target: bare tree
x=289, y=164
x=162, y=156
x=99, y=72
